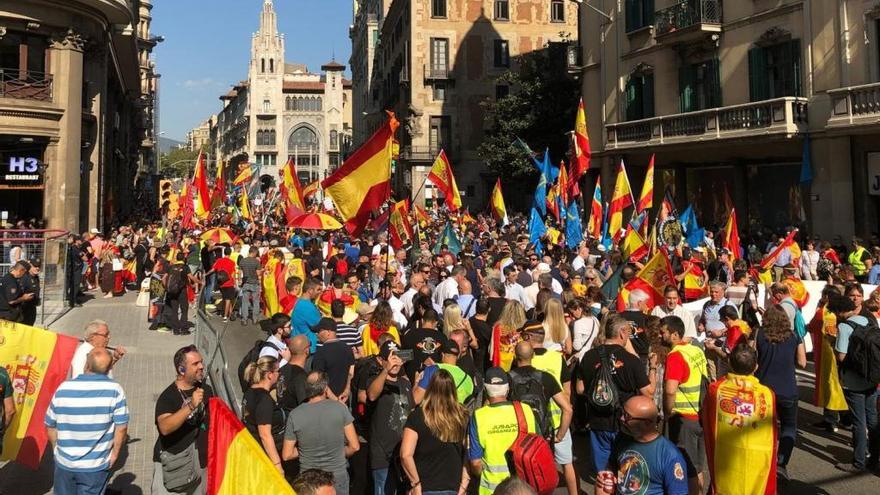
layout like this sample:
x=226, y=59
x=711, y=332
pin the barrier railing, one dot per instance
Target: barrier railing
x=210, y=342
x=50, y=248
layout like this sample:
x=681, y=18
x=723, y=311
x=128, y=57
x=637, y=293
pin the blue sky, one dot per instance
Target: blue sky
x=207, y=47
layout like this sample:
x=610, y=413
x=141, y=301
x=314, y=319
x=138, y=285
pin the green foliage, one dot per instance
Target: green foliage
x=540, y=109
x=178, y=163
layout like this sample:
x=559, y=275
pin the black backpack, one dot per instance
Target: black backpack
x=251, y=357
x=526, y=387
x=863, y=353
x=176, y=281
x=748, y=312
x=603, y=395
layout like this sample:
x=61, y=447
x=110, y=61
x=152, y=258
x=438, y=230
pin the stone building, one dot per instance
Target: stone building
x=199, y=139
x=729, y=100
x=434, y=62
x=283, y=110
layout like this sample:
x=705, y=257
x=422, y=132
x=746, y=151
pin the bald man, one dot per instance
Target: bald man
x=291, y=386
x=641, y=453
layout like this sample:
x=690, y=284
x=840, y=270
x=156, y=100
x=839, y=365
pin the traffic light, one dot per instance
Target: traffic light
x=165, y=192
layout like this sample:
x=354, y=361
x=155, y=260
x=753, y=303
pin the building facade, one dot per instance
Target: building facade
x=76, y=119
x=285, y=111
x=434, y=63
x=199, y=139
x=733, y=100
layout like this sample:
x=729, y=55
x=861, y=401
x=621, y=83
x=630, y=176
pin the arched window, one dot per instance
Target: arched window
x=303, y=137
x=304, y=147
x=259, y=138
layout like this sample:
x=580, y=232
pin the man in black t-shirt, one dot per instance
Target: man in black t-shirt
x=635, y=314
x=291, y=386
x=425, y=343
x=182, y=420
x=391, y=393
x=483, y=332
x=335, y=358
x=629, y=377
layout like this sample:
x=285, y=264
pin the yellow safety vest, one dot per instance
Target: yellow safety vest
x=855, y=260
x=687, y=399
x=551, y=362
x=497, y=429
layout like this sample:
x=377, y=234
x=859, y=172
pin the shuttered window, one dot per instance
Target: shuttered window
x=639, y=97
x=699, y=86
x=775, y=71
x=639, y=14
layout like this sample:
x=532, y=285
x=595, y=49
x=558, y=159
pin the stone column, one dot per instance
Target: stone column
x=95, y=76
x=62, y=193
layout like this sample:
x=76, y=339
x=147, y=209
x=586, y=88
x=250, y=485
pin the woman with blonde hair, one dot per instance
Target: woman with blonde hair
x=556, y=334
x=505, y=334
x=432, y=447
x=381, y=321
x=452, y=320
x=260, y=413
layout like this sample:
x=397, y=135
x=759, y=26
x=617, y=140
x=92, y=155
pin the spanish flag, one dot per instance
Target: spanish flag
x=398, y=224
x=201, y=197
x=244, y=205
x=731, y=237
x=695, y=285
x=620, y=200
x=236, y=462
x=646, y=199
x=37, y=361
x=767, y=262
x=441, y=176
x=497, y=203
x=634, y=247
x=656, y=275
x=582, y=151
x=244, y=176
x=422, y=216
x=311, y=189
x=594, y=228
x=291, y=188
x=219, y=196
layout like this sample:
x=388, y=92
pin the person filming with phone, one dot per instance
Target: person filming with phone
x=390, y=394
x=181, y=452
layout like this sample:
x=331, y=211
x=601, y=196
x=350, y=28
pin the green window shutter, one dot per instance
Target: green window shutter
x=686, y=83
x=631, y=7
x=795, y=51
x=758, y=83
x=648, y=96
x=648, y=12
x=714, y=82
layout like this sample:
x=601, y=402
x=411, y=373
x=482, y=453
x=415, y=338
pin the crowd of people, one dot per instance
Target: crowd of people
x=417, y=369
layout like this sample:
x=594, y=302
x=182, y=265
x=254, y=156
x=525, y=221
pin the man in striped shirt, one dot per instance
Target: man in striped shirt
x=86, y=423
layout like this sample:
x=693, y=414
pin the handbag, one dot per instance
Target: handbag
x=179, y=471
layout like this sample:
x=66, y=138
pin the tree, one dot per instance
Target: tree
x=178, y=163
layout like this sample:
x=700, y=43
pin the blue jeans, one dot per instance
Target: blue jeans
x=76, y=483
x=382, y=483
x=208, y=291
x=863, y=407
x=250, y=298
x=600, y=442
x=786, y=411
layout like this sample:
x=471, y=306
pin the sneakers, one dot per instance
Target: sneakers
x=225, y=320
x=824, y=425
x=849, y=468
x=163, y=330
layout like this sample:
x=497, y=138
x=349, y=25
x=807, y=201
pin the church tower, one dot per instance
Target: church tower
x=266, y=104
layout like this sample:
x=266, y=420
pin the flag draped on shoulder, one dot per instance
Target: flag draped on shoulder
x=497, y=204
x=646, y=199
x=236, y=462
x=363, y=182
x=581, y=140
x=442, y=177
x=37, y=361
x=594, y=227
x=620, y=200
x=201, y=197
x=731, y=237
x=399, y=224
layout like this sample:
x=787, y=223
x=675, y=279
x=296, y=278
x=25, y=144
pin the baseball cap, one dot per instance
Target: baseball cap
x=324, y=324
x=387, y=348
x=449, y=347
x=496, y=376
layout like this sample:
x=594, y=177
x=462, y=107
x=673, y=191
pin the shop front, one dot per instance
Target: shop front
x=22, y=177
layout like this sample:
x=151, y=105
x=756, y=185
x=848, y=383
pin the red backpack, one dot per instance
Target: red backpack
x=532, y=457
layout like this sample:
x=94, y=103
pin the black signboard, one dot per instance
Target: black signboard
x=21, y=171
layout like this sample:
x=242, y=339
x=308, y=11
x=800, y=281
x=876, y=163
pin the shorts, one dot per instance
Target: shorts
x=228, y=293
x=687, y=435
x=562, y=450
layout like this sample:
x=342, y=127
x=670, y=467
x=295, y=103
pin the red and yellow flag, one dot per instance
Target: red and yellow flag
x=398, y=224
x=441, y=176
x=201, y=197
x=236, y=462
x=244, y=175
x=594, y=227
x=767, y=262
x=363, y=183
x=634, y=247
x=582, y=151
x=422, y=216
x=657, y=274
x=695, y=284
x=731, y=237
x=311, y=189
x=244, y=205
x=219, y=196
x=620, y=200
x=37, y=361
x=291, y=187
x=497, y=203
x=646, y=199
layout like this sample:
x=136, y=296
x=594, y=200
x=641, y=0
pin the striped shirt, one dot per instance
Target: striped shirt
x=349, y=335
x=86, y=411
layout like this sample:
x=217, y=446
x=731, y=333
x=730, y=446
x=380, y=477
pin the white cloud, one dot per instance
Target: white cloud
x=199, y=83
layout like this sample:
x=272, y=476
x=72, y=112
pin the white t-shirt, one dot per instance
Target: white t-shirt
x=270, y=351
x=584, y=333
x=78, y=363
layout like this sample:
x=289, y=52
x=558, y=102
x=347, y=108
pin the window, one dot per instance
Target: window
x=271, y=138
x=775, y=71
x=272, y=65
x=639, y=14
x=439, y=91
x=639, y=97
x=699, y=86
x=439, y=137
x=501, y=91
x=266, y=105
x=557, y=10
x=438, y=8
x=439, y=56
x=262, y=65
x=502, y=10
x=303, y=137
x=334, y=139
x=23, y=52
x=502, y=53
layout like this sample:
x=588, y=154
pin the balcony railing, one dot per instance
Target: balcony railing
x=29, y=85
x=780, y=116
x=437, y=73
x=421, y=153
x=690, y=16
x=855, y=105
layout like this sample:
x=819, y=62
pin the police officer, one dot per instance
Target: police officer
x=30, y=283
x=11, y=295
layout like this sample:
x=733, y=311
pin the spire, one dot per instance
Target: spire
x=268, y=25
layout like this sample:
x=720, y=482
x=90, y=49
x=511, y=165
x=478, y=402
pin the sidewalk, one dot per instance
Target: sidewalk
x=144, y=372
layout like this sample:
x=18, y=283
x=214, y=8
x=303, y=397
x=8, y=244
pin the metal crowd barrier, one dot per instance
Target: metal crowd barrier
x=50, y=247
x=209, y=340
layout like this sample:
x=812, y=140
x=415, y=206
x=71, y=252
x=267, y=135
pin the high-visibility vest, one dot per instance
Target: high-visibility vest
x=687, y=398
x=855, y=260
x=551, y=362
x=464, y=384
x=497, y=429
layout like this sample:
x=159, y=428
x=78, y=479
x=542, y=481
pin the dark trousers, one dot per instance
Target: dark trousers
x=866, y=431
x=74, y=281
x=177, y=311
x=786, y=411
x=29, y=314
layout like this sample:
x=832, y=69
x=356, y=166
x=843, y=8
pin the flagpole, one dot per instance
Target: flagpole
x=424, y=181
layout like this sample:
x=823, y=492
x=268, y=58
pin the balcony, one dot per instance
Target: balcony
x=28, y=85
x=687, y=21
x=778, y=117
x=573, y=59
x=421, y=153
x=438, y=73
x=855, y=106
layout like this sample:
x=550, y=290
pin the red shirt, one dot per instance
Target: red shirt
x=227, y=265
x=287, y=303
x=678, y=369
x=734, y=334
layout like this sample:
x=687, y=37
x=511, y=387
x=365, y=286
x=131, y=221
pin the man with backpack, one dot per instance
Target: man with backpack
x=278, y=328
x=610, y=375
x=858, y=352
x=176, y=301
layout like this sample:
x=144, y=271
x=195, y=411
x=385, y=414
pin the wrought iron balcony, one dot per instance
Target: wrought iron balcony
x=422, y=153
x=855, y=105
x=688, y=20
x=29, y=85
x=781, y=116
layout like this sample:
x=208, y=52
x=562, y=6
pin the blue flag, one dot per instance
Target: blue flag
x=536, y=229
x=540, y=202
x=449, y=238
x=806, y=162
x=574, y=233
x=694, y=235
x=606, y=239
